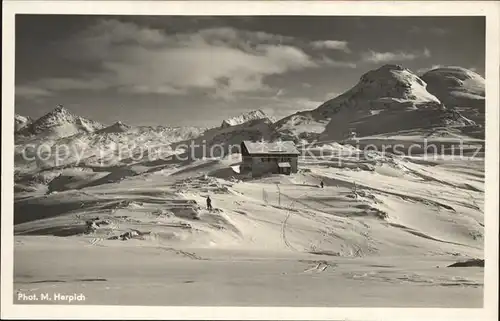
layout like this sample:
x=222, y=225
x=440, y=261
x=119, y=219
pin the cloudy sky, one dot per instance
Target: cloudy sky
x=200, y=70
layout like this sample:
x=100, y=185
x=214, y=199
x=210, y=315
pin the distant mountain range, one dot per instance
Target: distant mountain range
x=246, y=117
x=388, y=99
x=117, y=127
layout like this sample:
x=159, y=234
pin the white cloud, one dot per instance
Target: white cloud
x=422, y=71
x=224, y=35
x=426, y=30
x=336, y=63
x=331, y=44
x=385, y=57
x=141, y=89
x=378, y=57
x=66, y=83
x=331, y=95
x=217, y=61
x=47, y=86
x=32, y=92
x=137, y=59
x=427, y=53
x=279, y=93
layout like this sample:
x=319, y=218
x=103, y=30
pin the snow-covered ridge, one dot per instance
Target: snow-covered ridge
x=388, y=99
x=456, y=86
x=246, y=117
x=60, y=123
x=117, y=127
x=21, y=121
x=456, y=78
x=459, y=88
x=385, y=87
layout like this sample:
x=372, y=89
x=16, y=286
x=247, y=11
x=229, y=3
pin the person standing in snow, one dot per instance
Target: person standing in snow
x=209, y=203
x=322, y=184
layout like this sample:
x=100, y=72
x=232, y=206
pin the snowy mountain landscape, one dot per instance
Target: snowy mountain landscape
x=459, y=88
x=58, y=123
x=118, y=211
x=388, y=99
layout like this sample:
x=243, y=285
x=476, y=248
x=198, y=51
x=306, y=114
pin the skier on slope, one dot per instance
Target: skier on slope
x=209, y=203
x=322, y=184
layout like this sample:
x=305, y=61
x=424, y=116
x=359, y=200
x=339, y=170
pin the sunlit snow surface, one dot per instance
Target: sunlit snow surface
x=380, y=233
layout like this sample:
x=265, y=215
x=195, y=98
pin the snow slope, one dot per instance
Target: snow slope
x=456, y=86
x=379, y=227
x=400, y=202
x=21, y=121
x=137, y=275
x=460, y=88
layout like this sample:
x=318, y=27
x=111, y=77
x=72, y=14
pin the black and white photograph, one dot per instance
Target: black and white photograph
x=250, y=160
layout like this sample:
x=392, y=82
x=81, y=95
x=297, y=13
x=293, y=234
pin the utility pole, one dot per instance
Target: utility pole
x=279, y=194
